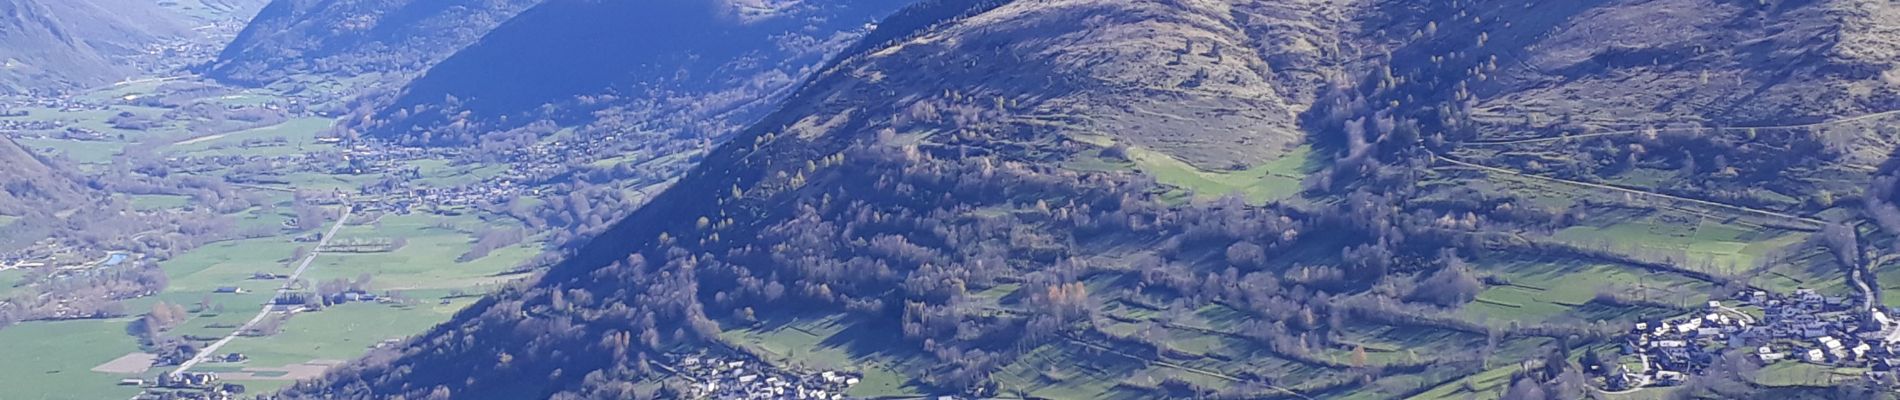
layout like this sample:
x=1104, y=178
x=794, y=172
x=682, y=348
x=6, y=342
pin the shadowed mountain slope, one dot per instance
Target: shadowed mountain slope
x=354, y=37
x=702, y=68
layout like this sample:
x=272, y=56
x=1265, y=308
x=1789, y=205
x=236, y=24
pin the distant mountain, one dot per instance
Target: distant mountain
x=72, y=44
x=1035, y=199
x=701, y=67
x=352, y=37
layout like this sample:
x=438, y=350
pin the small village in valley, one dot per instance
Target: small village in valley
x=1771, y=328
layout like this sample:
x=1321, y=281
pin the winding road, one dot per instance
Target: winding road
x=212, y=350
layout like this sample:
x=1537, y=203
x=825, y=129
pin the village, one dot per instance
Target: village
x=1804, y=326
x=185, y=386
x=706, y=377
x=718, y=377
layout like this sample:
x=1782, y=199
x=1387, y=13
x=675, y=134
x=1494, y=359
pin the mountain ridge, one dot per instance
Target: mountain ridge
x=68, y=45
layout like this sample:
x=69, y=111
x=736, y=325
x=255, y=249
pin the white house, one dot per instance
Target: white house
x=1772, y=357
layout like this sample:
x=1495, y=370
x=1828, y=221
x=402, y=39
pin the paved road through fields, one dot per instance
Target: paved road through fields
x=265, y=312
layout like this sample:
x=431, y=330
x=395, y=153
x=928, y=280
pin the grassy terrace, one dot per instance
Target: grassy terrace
x=1703, y=241
x=1259, y=184
x=1548, y=289
x=832, y=343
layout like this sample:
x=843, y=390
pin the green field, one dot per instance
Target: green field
x=299, y=136
x=1889, y=278
x=341, y=332
x=1544, y=289
x=54, y=360
x=1275, y=180
x=82, y=152
x=829, y=343
x=1486, y=385
x=1805, y=374
x=159, y=201
x=443, y=173
x=229, y=263
x=113, y=140
x=1066, y=371
x=321, y=181
x=429, y=259
x=9, y=278
x=1700, y=242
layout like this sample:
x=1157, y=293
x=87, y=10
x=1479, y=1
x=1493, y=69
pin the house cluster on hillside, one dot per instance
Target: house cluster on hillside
x=734, y=378
x=1801, y=327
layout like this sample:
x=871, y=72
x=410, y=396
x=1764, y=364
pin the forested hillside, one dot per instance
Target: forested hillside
x=696, y=69
x=1233, y=199
x=31, y=186
x=33, y=194
x=345, y=39
x=72, y=44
